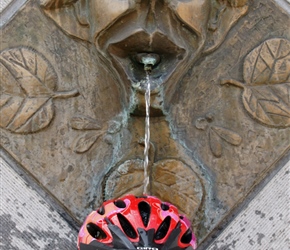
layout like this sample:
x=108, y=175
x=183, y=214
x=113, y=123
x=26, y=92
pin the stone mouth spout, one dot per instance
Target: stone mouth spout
x=149, y=60
x=161, y=54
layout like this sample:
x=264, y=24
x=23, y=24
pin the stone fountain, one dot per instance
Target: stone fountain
x=73, y=107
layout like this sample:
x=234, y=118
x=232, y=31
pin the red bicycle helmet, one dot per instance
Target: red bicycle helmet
x=134, y=222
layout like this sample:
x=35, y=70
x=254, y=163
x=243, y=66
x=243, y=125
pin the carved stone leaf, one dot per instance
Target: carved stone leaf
x=86, y=141
x=269, y=63
x=227, y=135
x=126, y=178
x=267, y=76
x=40, y=118
x=269, y=104
x=33, y=74
x=170, y=181
x=215, y=143
x=28, y=82
x=23, y=115
x=18, y=114
x=217, y=134
x=81, y=122
x=175, y=182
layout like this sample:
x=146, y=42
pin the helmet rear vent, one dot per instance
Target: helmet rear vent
x=127, y=227
x=144, y=210
x=101, y=210
x=120, y=203
x=186, y=237
x=95, y=231
x=164, y=207
x=163, y=229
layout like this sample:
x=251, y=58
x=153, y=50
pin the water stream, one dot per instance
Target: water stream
x=147, y=134
x=148, y=60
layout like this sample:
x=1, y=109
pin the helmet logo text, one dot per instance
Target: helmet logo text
x=147, y=248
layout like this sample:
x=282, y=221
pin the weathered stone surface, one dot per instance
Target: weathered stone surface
x=28, y=221
x=4, y=4
x=224, y=138
x=264, y=222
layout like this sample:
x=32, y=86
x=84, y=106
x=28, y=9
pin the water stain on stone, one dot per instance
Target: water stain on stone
x=30, y=237
x=260, y=237
x=252, y=242
x=262, y=215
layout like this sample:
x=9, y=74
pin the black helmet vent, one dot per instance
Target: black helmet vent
x=186, y=237
x=127, y=227
x=101, y=210
x=163, y=229
x=120, y=203
x=164, y=207
x=95, y=231
x=144, y=210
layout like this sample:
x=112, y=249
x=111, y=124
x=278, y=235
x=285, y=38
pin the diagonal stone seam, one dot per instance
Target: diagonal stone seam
x=9, y=8
x=265, y=222
x=261, y=201
x=31, y=182
x=27, y=220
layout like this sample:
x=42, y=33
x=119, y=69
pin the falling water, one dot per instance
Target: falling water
x=149, y=60
x=147, y=134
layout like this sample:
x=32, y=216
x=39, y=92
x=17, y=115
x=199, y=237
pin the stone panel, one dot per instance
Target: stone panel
x=72, y=100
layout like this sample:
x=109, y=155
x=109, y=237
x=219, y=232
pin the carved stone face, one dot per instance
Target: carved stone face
x=173, y=31
x=194, y=13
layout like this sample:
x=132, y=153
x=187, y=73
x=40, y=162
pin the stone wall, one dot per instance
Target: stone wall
x=72, y=106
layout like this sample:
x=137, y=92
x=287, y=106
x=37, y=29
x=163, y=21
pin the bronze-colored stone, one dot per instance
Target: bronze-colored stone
x=211, y=142
x=28, y=84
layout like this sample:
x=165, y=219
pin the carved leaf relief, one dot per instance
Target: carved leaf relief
x=92, y=131
x=81, y=122
x=269, y=63
x=269, y=104
x=227, y=135
x=267, y=88
x=217, y=135
x=215, y=144
x=28, y=86
x=175, y=182
x=84, y=142
x=170, y=180
x=126, y=178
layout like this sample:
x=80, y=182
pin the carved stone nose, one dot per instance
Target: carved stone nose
x=151, y=14
x=150, y=21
